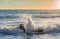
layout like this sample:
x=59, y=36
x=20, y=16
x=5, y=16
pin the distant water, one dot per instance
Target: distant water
x=10, y=19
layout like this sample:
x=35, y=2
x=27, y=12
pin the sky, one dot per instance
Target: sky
x=29, y=4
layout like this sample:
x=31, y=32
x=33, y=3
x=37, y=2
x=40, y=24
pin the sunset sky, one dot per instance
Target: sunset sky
x=29, y=4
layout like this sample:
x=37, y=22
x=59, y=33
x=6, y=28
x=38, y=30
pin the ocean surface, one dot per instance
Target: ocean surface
x=48, y=19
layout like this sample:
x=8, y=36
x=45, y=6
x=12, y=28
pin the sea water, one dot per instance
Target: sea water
x=10, y=20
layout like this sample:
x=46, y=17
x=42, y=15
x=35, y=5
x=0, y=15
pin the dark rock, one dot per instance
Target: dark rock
x=21, y=26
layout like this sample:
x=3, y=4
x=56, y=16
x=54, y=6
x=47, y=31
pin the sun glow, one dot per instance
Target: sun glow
x=57, y=4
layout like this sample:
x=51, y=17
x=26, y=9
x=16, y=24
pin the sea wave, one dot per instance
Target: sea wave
x=18, y=31
x=3, y=17
x=14, y=20
x=6, y=31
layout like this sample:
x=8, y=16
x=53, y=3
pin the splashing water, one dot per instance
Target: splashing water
x=10, y=20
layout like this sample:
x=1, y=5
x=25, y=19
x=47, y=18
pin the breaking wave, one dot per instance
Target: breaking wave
x=17, y=31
